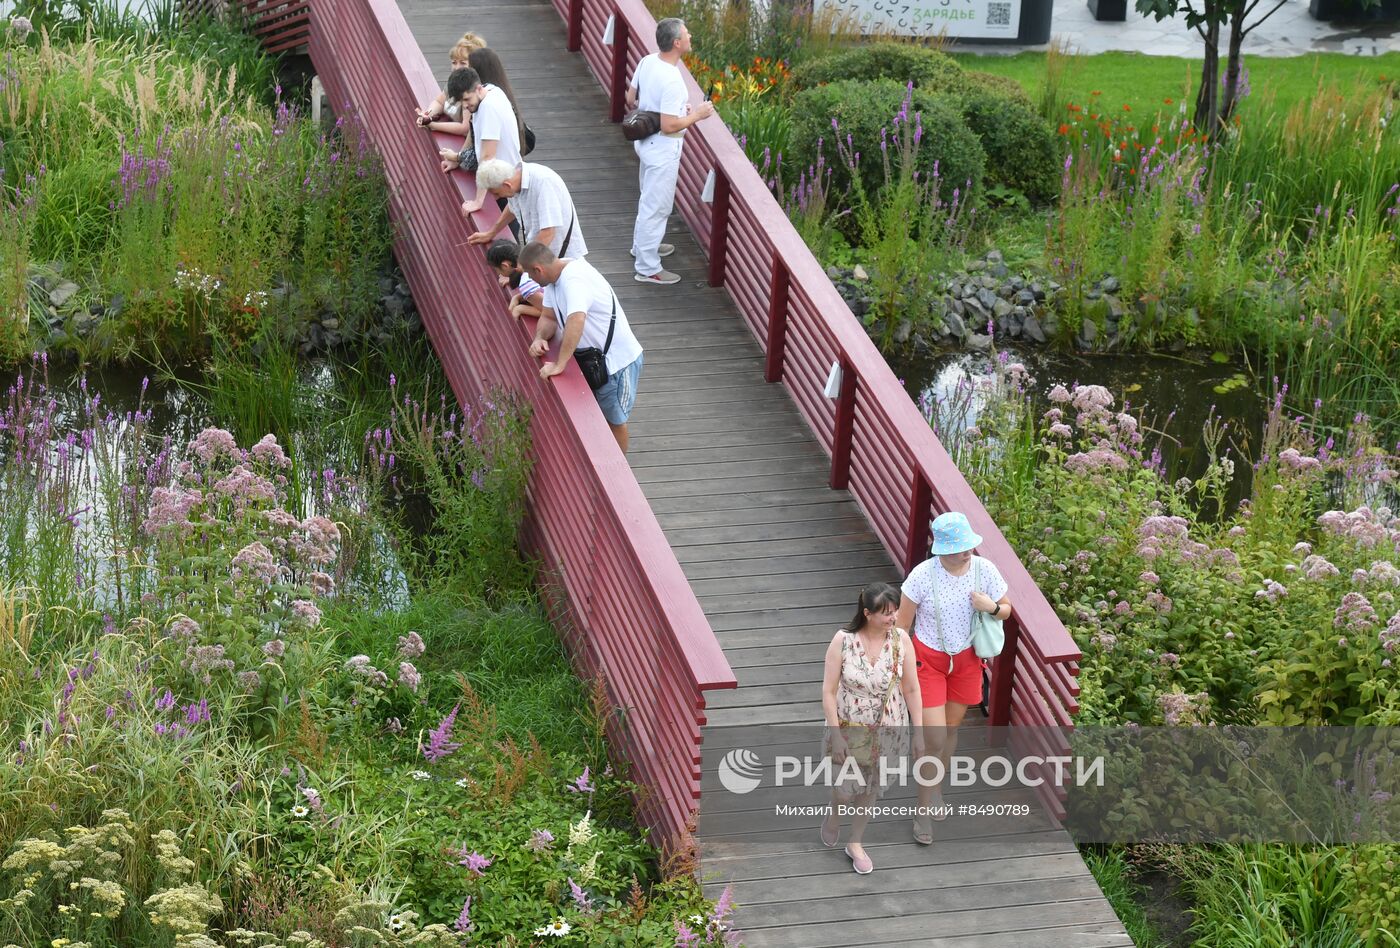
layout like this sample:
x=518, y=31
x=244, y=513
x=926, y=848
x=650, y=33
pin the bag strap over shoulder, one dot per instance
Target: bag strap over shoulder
x=612, y=324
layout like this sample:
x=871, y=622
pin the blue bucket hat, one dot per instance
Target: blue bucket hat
x=953, y=534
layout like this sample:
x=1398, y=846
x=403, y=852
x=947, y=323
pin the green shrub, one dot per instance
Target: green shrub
x=1005, y=86
x=928, y=69
x=1020, y=145
x=860, y=110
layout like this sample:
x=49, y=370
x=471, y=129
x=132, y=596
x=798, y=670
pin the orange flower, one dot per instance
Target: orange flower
x=1126, y=107
x=1096, y=92
x=1064, y=129
x=1167, y=101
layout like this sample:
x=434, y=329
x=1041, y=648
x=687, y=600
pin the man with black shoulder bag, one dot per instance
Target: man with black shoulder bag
x=596, y=333
x=657, y=87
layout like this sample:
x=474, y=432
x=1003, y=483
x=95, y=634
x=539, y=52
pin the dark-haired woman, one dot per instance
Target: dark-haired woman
x=870, y=690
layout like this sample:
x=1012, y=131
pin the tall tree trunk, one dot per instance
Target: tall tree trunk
x=1231, y=96
x=1208, y=98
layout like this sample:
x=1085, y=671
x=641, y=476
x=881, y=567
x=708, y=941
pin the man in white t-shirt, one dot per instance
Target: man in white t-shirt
x=495, y=128
x=657, y=86
x=536, y=197
x=579, y=298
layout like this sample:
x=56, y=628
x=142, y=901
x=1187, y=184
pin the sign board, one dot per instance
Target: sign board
x=971, y=19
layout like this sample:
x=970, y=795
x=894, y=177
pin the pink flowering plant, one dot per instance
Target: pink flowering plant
x=1283, y=609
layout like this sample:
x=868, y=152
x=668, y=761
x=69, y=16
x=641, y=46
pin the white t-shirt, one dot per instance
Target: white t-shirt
x=945, y=601
x=582, y=289
x=660, y=88
x=543, y=202
x=494, y=120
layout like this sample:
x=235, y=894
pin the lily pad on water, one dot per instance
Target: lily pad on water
x=1219, y=357
x=1238, y=380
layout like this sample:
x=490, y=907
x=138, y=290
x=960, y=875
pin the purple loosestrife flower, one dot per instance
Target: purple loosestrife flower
x=197, y=713
x=440, y=742
x=166, y=701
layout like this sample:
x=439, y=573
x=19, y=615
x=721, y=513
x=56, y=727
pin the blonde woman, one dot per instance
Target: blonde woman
x=870, y=693
x=436, y=114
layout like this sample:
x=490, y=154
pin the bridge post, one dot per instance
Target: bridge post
x=719, y=227
x=575, y=40
x=845, y=427
x=1003, y=672
x=619, y=70
x=920, y=506
x=777, y=321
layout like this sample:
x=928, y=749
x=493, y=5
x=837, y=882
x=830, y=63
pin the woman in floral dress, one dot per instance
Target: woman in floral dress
x=869, y=691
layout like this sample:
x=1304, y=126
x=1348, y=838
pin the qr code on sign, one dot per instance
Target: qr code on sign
x=998, y=14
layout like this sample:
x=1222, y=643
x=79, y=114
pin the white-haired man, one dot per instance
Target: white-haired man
x=536, y=197
x=657, y=86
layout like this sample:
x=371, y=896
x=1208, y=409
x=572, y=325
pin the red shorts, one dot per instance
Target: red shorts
x=943, y=678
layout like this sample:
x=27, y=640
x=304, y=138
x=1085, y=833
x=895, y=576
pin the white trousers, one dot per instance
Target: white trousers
x=661, y=162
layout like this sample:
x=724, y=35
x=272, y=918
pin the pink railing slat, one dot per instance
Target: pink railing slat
x=626, y=610
x=817, y=329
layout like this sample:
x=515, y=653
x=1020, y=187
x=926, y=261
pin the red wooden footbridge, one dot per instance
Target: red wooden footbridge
x=703, y=579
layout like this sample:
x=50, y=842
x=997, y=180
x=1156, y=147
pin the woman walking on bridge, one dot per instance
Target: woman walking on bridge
x=939, y=599
x=870, y=690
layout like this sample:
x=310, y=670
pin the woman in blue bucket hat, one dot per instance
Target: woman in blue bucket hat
x=936, y=606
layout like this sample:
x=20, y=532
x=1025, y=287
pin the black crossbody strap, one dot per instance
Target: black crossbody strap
x=568, y=235
x=612, y=324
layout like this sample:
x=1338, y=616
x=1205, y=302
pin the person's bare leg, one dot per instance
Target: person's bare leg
x=620, y=433
x=935, y=734
x=859, y=819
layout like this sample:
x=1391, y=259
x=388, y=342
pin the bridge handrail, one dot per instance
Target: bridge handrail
x=882, y=448
x=631, y=616
x=280, y=24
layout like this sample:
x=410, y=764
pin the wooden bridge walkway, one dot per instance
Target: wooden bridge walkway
x=739, y=484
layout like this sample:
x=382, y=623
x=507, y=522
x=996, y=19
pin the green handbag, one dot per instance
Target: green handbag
x=988, y=636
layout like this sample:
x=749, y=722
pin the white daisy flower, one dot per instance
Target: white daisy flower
x=299, y=811
x=557, y=928
x=462, y=783
x=698, y=919
x=421, y=775
x=396, y=923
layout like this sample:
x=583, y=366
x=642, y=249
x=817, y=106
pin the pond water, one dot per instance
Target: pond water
x=1176, y=395
x=71, y=406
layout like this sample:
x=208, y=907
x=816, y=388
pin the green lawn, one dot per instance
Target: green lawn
x=1144, y=83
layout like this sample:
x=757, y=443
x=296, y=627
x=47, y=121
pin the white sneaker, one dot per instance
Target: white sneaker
x=660, y=278
x=662, y=250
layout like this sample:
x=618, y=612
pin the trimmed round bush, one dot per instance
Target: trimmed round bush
x=928, y=69
x=1019, y=143
x=1003, y=85
x=861, y=109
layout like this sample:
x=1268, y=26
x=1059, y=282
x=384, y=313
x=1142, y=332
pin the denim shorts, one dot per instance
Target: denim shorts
x=619, y=393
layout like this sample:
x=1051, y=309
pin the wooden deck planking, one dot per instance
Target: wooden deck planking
x=739, y=485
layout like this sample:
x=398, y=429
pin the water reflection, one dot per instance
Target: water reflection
x=1176, y=395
